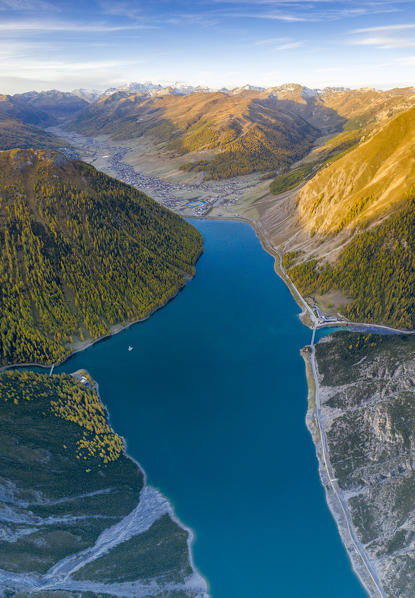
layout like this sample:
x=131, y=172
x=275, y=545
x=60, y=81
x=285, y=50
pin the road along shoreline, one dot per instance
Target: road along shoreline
x=336, y=502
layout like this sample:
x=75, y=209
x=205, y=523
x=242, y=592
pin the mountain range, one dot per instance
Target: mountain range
x=342, y=159
x=327, y=177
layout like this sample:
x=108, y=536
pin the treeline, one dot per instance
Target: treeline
x=92, y=441
x=291, y=179
x=81, y=252
x=377, y=270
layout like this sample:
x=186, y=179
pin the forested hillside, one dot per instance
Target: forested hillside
x=354, y=224
x=73, y=501
x=376, y=269
x=23, y=118
x=80, y=252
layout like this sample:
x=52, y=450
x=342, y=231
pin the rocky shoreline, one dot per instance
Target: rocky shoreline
x=367, y=407
x=332, y=501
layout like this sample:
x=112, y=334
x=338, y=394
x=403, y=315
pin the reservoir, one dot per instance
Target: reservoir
x=212, y=403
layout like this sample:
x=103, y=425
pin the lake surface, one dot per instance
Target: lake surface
x=212, y=402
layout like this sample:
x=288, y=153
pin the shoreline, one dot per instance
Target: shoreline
x=360, y=567
x=115, y=329
x=337, y=504
x=308, y=319
x=191, y=535
x=191, y=538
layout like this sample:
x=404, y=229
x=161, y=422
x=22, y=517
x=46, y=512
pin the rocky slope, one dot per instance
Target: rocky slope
x=76, y=516
x=367, y=394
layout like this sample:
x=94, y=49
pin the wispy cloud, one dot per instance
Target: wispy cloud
x=34, y=67
x=310, y=10
x=385, y=28
x=385, y=43
x=272, y=40
x=271, y=16
x=407, y=61
x=50, y=26
x=121, y=9
x=289, y=46
x=280, y=43
x=26, y=5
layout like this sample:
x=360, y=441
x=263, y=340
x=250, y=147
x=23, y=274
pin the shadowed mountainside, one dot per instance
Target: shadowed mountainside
x=24, y=116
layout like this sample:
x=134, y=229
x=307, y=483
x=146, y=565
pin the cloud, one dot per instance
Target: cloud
x=58, y=66
x=289, y=45
x=407, y=61
x=272, y=40
x=288, y=18
x=385, y=28
x=120, y=9
x=280, y=43
x=308, y=10
x=385, y=43
x=28, y=5
x=50, y=26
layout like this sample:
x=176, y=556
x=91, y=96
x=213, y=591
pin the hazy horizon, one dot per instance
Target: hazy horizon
x=67, y=45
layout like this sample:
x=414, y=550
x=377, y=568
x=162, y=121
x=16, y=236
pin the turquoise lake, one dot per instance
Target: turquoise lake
x=212, y=403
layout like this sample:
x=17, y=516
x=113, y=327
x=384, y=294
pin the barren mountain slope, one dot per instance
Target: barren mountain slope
x=365, y=184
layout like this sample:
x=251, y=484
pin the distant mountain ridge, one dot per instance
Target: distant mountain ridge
x=24, y=117
x=181, y=88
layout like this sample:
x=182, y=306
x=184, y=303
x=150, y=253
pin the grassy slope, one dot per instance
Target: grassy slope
x=365, y=183
x=80, y=252
x=363, y=106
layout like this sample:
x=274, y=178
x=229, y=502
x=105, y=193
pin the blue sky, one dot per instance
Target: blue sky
x=67, y=44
